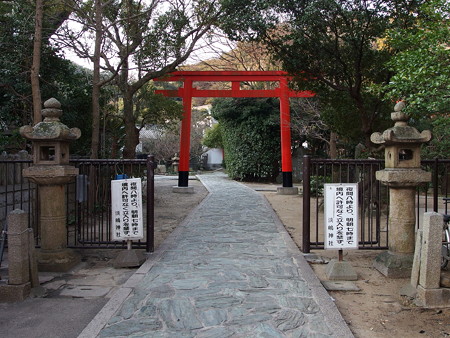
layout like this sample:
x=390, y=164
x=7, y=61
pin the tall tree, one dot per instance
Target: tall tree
x=88, y=16
x=329, y=45
x=16, y=49
x=422, y=61
x=35, y=68
x=55, y=17
x=143, y=40
x=96, y=79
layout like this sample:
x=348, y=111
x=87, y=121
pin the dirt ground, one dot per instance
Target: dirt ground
x=377, y=309
x=171, y=208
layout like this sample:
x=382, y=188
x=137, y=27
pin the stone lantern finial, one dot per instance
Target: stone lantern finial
x=51, y=129
x=399, y=106
x=400, y=118
x=401, y=135
x=51, y=111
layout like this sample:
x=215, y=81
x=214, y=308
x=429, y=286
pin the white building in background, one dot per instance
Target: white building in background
x=212, y=159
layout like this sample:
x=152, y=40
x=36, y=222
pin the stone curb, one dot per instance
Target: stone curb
x=100, y=320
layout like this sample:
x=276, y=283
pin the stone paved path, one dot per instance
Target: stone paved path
x=230, y=270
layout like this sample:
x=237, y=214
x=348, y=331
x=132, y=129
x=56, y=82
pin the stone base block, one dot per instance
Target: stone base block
x=58, y=260
x=38, y=292
x=340, y=286
x=14, y=293
x=433, y=298
x=394, y=265
x=287, y=191
x=408, y=291
x=340, y=270
x=129, y=259
x=183, y=190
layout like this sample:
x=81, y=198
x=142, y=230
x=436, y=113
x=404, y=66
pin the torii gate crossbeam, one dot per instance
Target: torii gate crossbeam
x=188, y=91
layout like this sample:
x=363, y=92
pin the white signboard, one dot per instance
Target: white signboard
x=341, y=216
x=126, y=205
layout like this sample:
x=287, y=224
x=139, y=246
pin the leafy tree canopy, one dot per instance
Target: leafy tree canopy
x=213, y=137
x=153, y=108
x=422, y=61
x=331, y=46
x=59, y=78
x=138, y=41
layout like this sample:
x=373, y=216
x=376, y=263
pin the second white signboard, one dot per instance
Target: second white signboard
x=341, y=216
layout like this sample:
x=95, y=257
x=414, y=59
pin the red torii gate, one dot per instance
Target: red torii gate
x=187, y=92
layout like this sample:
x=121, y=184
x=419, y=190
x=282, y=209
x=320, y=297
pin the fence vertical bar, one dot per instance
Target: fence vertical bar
x=6, y=188
x=150, y=243
x=435, y=184
x=314, y=169
x=306, y=204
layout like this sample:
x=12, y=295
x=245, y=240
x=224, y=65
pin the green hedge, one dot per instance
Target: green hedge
x=251, y=137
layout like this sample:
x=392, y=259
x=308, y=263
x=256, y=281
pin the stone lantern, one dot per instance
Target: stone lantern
x=175, y=163
x=51, y=172
x=402, y=174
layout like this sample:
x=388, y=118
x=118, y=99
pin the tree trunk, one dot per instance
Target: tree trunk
x=333, y=146
x=131, y=132
x=35, y=68
x=366, y=128
x=95, y=139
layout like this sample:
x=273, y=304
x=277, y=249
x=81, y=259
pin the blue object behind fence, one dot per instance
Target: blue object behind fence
x=121, y=176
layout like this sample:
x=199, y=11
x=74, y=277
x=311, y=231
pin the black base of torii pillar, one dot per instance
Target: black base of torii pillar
x=183, y=178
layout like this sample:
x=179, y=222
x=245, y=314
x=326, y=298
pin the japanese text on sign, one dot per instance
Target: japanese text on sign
x=126, y=206
x=341, y=216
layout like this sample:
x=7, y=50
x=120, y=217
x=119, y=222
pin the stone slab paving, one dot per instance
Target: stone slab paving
x=230, y=270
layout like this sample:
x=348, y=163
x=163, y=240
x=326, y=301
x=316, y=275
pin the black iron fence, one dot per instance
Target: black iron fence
x=88, y=200
x=373, y=197
x=432, y=193
x=16, y=192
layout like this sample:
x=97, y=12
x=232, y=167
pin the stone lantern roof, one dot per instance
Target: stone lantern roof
x=401, y=132
x=51, y=128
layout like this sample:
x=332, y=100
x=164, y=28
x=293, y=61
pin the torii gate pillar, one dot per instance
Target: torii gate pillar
x=285, y=129
x=185, y=137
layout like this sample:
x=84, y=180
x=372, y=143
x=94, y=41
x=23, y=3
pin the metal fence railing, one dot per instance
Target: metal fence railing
x=88, y=200
x=16, y=192
x=373, y=197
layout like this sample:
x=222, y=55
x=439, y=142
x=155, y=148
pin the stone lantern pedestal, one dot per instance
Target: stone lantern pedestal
x=402, y=174
x=51, y=172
